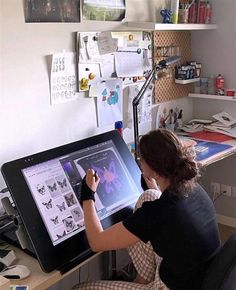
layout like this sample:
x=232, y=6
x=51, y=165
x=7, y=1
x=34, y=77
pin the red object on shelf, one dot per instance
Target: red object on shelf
x=201, y=17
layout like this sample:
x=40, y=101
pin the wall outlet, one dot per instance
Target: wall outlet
x=226, y=189
x=233, y=192
x=215, y=190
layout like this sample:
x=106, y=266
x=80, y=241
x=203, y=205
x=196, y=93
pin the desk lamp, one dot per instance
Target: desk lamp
x=153, y=76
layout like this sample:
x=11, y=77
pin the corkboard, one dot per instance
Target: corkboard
x=165, y=88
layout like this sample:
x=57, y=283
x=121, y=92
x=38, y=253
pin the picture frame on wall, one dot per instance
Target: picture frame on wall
x=103, y=10
x=52, y=10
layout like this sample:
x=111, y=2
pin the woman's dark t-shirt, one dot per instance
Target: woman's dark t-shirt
x=183, y=231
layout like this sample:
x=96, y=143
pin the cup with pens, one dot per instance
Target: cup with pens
x=184, y=11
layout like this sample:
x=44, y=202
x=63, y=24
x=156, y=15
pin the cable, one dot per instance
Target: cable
x=219, y=196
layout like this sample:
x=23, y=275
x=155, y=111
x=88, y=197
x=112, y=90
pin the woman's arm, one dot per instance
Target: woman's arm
x=115, y=237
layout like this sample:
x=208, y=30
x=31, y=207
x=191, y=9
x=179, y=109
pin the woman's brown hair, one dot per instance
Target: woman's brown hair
x=163, y=151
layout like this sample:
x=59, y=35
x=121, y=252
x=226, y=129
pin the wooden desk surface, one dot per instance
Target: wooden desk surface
x=38, y=280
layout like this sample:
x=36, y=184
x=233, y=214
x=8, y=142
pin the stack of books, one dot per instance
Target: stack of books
x=224, y=124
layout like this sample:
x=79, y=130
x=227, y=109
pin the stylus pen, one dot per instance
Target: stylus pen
x=95, y=175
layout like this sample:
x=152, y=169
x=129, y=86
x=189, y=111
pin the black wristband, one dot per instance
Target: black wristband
x=86, y=193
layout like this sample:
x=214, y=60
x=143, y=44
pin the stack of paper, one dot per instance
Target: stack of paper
x=195, y=125
x=224, y=124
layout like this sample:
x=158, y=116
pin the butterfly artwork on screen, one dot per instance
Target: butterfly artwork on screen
x=48, y=204
x=113, y=180
x=61, y=206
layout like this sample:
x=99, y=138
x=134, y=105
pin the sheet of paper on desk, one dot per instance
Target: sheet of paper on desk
x=225, y=118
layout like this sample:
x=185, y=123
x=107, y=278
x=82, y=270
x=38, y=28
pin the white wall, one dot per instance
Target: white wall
x=216, y=50
x=28, y=123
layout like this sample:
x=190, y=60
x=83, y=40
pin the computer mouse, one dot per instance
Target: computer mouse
x=15, y=272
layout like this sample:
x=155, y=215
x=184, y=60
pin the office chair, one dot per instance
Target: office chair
x=221, y=274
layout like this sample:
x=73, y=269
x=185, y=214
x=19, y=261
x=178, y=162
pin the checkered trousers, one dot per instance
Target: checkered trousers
x=145, y=260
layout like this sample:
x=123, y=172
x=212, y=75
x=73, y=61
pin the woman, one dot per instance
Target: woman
x=180, y=225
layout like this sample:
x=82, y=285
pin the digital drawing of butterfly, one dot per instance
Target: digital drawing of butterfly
x=41, y=189
x=108, y=177
x=52, y=187
x=62, y=235
x=62, y=206
x=69, y=224
x=70, y=199
x=55, y=220
x=62, y=183
x=48, y=204
x=77, y=212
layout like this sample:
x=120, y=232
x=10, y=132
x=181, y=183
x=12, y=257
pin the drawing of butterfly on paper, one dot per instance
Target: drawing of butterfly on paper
x=47, y=204
x=70, y=199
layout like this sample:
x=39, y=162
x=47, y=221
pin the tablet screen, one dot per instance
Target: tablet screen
x=55, y=187
x=45, y=188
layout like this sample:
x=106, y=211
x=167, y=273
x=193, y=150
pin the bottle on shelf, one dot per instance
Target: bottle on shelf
x=208, y=13
x=211, y=85
x=201, y=16
x=175, y=10
x=220, y=85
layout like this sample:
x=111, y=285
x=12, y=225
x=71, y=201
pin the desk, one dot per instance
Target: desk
x=38, y=280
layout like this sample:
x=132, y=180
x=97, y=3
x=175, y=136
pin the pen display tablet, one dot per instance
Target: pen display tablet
x=46, y=190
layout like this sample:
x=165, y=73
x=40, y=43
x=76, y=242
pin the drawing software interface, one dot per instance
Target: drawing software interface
x=55, y=187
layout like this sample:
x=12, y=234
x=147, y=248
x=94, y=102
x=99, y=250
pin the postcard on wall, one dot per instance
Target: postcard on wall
x=144, y=108
x=63, y=78
x=89, y=74
x=109, y=102
x=129, y=63
x=103, y=10
x=52, y=10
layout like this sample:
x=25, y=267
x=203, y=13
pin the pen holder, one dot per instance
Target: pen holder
x=170, y=127
x=183, y=15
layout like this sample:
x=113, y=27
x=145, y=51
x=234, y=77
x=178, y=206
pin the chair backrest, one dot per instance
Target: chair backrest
x=221, y=274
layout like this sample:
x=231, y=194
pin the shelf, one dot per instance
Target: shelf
x=185, y=82
x=213, y=97
x=170, y=26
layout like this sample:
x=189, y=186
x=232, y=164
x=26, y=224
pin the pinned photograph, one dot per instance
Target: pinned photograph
x=52, y=10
